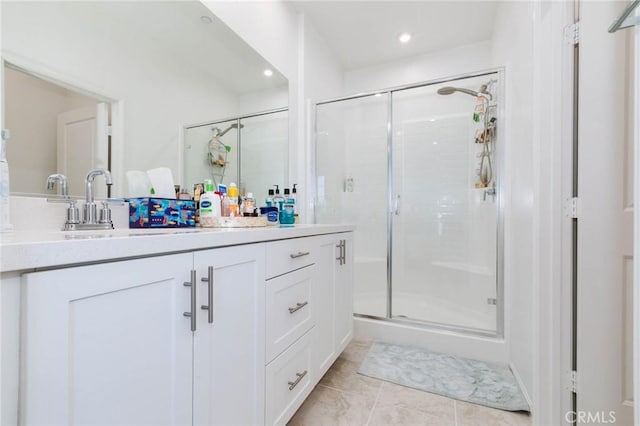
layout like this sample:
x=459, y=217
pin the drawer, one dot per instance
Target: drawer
x=288, y=255
x=289, y=309
x=288, y=381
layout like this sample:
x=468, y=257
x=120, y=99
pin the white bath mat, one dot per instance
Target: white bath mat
x=455, y=377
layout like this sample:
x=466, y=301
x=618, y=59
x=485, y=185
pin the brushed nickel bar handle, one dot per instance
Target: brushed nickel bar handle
x=298, y=307
x=295, y=383
x=209, y=306
x=192, y=314
x=299, y=254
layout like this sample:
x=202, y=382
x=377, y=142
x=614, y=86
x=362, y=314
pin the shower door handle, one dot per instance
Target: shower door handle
x=396, y=207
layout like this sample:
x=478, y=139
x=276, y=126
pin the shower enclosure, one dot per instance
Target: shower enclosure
x=417, y=170
x=251, y=151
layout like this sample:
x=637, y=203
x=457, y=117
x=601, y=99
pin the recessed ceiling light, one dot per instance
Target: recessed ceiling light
x=206, y=19
x=404, y=37
x=268, y=72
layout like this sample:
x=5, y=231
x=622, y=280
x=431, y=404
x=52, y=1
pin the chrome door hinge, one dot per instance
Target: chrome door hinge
x=573, y=381
x=109, y=130
x=572, y=34
x=572, y=208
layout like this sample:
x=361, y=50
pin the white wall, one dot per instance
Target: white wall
x=415, y=69
x=32, y=106
x=288, y=41
x=512, y=48
x=158, y=94
x=263, y=100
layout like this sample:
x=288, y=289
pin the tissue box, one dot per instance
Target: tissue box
x=151, y=212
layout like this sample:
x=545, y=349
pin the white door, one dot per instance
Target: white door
x=605, y=225
x=83, y=145
x=108, y=344
x=229, y=345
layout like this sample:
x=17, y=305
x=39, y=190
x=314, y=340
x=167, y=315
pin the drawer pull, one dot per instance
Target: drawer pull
x=295, y=383
x=300, y=254
x=298, y=307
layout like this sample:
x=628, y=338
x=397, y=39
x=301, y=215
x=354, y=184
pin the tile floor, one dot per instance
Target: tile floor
x=344, y=397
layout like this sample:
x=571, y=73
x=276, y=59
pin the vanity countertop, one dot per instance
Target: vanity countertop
x=27, y=250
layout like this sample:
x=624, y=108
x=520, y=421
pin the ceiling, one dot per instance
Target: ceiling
x=365, y=33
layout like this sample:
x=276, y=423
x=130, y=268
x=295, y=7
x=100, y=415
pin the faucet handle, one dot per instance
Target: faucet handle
x=105, y=213
x=73, y=213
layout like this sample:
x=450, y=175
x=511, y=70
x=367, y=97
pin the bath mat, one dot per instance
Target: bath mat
x=455, y=377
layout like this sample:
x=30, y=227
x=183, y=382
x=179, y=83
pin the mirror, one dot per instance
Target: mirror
x=251, y=151
x=150, y=67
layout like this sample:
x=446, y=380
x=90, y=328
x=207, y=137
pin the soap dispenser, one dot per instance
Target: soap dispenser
x=278, y=200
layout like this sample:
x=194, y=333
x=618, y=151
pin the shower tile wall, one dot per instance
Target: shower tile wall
x=444, y=238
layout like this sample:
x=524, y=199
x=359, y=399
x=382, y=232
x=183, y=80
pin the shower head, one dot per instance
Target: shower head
x=222, y=133
x=449, y=90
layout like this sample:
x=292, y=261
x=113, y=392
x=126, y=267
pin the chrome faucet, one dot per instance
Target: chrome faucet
x=62, y=179
x=90, y=218
x=73, y=215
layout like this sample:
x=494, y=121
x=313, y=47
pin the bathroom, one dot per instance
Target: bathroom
x=322, y=52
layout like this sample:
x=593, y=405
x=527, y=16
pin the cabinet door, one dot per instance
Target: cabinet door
x=108, y=344
x=324, y=347
x=229, y=352
x=344, y=292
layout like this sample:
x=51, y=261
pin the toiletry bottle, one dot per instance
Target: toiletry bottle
x=234, y=209
x=269, y=200
x=5, y=224
x=207, y=201
x=225, y=205
x=249, y=205
x=294, y=197
x=278, y=200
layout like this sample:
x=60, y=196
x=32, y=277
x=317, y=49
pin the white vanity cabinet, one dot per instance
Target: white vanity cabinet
x=334, y=299
x=229, y=342
x=107, y=344
x=235, y=335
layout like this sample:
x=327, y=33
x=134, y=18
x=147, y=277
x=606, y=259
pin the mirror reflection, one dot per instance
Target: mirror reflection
x=251, y=151
x=165, y=64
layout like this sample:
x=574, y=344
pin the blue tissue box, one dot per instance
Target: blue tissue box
x=150, y=212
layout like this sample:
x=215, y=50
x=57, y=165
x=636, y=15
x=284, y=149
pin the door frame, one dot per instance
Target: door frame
x=68, y=81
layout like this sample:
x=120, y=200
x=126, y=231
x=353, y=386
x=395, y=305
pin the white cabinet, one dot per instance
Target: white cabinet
x=211, y=337
x=229, y=345
x=108, y=344
x=333, y=293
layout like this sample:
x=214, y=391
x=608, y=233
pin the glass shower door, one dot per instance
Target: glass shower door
x=352, y=187
x=444, y=229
